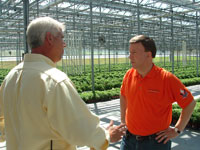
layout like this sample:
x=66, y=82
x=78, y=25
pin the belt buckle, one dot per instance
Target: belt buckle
x=139, y=138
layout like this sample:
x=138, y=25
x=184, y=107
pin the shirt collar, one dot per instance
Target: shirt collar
x=150, y=74
x=38, y=57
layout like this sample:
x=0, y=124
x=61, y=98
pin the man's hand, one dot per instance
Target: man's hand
x=166, y=135
x=117, y=132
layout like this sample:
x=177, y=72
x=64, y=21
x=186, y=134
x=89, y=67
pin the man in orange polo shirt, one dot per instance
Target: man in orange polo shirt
x=147, y=94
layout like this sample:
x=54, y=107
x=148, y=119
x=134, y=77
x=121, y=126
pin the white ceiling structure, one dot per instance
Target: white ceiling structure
x=169, y=22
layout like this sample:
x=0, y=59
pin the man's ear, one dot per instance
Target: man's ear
x=149, y=54
x=49, y=38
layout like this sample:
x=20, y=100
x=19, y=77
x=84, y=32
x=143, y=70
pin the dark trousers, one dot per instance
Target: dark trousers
x=131, y=142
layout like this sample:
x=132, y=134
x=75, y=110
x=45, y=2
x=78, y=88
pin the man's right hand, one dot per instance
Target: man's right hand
x=116, y=132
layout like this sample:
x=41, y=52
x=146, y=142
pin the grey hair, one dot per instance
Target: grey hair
x=38, y=28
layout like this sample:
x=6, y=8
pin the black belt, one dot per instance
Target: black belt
x=141, y=138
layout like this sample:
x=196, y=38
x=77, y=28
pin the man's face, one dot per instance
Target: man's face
x=138, y=57
x=58, y=46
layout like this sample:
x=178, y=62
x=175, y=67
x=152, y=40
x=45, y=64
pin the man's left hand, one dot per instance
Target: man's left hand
x=166, y=135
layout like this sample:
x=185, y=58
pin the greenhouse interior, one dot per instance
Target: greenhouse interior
x=96, y=56
x=98, y=32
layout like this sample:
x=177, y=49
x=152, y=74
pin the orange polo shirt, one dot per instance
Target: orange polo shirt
x=149, y=100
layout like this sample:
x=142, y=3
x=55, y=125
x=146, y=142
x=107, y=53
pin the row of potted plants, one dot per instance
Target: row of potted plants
x=194, y=121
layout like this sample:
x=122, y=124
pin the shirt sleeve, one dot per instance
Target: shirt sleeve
x=2, y=124
x=71, y=118
x=180, y=93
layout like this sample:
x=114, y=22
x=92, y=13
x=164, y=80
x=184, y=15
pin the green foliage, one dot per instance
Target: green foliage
x=106, y=81
x=195, y=118
x=198, y=100
x=89, y=97
x=191, y=81
x=176, y=106
x=176, y=113
x=3, y=73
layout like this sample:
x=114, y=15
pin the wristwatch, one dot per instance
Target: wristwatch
x=177, y=130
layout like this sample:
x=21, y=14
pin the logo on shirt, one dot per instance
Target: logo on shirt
x=153, y=91
x=183, y=93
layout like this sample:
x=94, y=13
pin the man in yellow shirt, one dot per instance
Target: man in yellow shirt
x=39, y=104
